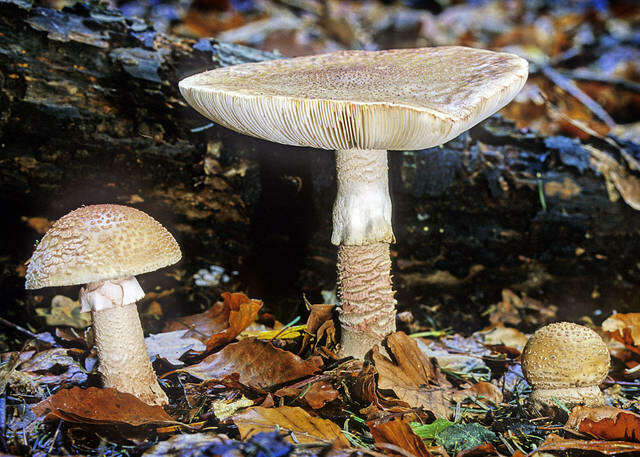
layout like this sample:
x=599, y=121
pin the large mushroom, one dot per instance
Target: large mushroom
x=104, y=247
x=361, y=103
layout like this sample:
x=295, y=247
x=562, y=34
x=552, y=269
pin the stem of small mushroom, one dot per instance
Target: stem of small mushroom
x=590, y=396
x=124, y=361
x=362, y=230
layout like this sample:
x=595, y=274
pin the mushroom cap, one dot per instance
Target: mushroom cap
x=395, y=99
x=565, y=355
x=100, y=242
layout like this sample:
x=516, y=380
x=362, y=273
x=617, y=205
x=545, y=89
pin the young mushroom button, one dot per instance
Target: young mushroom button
x=565, y=363
x=103, y=247
x=361, y=104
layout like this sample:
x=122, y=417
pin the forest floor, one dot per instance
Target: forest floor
x=243, y=379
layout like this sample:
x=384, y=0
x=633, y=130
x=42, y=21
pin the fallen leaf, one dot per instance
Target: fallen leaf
x=398, y=433
x=65, y=312
x=316, y=395
x=172, y=345
x=223, y=409
x=205, y=444
x=624, y=328
x=482, y=391
x=363, y=389
x=184, y=445
x=482, y=450
x=413, y=377
x=320, y=325
x=514, y=310
x=319, y=394
x=461, y=437
x=306, y=428
x=281, y=334
x=501, y=335
x=259, y=364
x=455, y=353
x=606, y=423
x=100, y=406
x=222, y=322
x=153, y=311
x=556, y=443
x=39, y=224
x=51, y=367
x=429, y=431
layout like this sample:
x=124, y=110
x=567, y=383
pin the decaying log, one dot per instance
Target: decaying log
x=91, y=113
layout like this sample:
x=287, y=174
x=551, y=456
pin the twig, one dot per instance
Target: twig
x=582, y=75
x=569, y=86
x=24, y=330
x=283, y=329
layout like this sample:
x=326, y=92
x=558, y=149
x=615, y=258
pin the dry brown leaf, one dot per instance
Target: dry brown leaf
x=514, y=310
x=414, y=377
x=39, y=224
x=498, y=334
x=398, y=434
x=606, y=423
x=316, y=395
x=363, y=389
x=319, y=324
x=483, y=391
x=259, y=364
x=65, y=311
x=221, y=323
x=100, y=406
x=306, y=428
x=50, y=367
x=319, y=394
x=624, y=328
x=557, y=443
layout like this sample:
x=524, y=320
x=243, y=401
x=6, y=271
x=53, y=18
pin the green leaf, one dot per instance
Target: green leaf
x=429, y=431
x=459, y=437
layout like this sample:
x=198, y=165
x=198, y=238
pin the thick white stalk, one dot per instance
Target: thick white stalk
x=362, y=210
x=119, y=340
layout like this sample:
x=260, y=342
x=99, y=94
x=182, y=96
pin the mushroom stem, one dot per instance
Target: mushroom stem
x=590, y=396
x=362, y=230
x=362, y=210
x=368, y=309
x=124, y=361
x=122, y=352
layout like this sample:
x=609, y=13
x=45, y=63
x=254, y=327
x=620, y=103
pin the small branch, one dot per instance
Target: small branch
x=23, y=330
x=569, y=86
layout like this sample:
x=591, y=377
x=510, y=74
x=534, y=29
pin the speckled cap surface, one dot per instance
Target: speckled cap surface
x=100, y=242
x=565, y=355
x=396, y=99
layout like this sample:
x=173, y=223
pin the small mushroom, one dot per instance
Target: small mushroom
x=565, y=363
x=361, y=103
x=103, y=247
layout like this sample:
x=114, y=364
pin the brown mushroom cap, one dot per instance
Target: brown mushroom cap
x=564, y=355
x=396, y=99
x=100, y=242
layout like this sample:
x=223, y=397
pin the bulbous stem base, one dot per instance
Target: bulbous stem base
x=542, y=400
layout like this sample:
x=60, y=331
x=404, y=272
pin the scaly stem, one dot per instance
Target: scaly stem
x=124, y=360
x=362, y=230
x=368, y=309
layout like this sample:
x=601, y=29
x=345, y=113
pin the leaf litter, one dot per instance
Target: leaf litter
x=437, y=394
